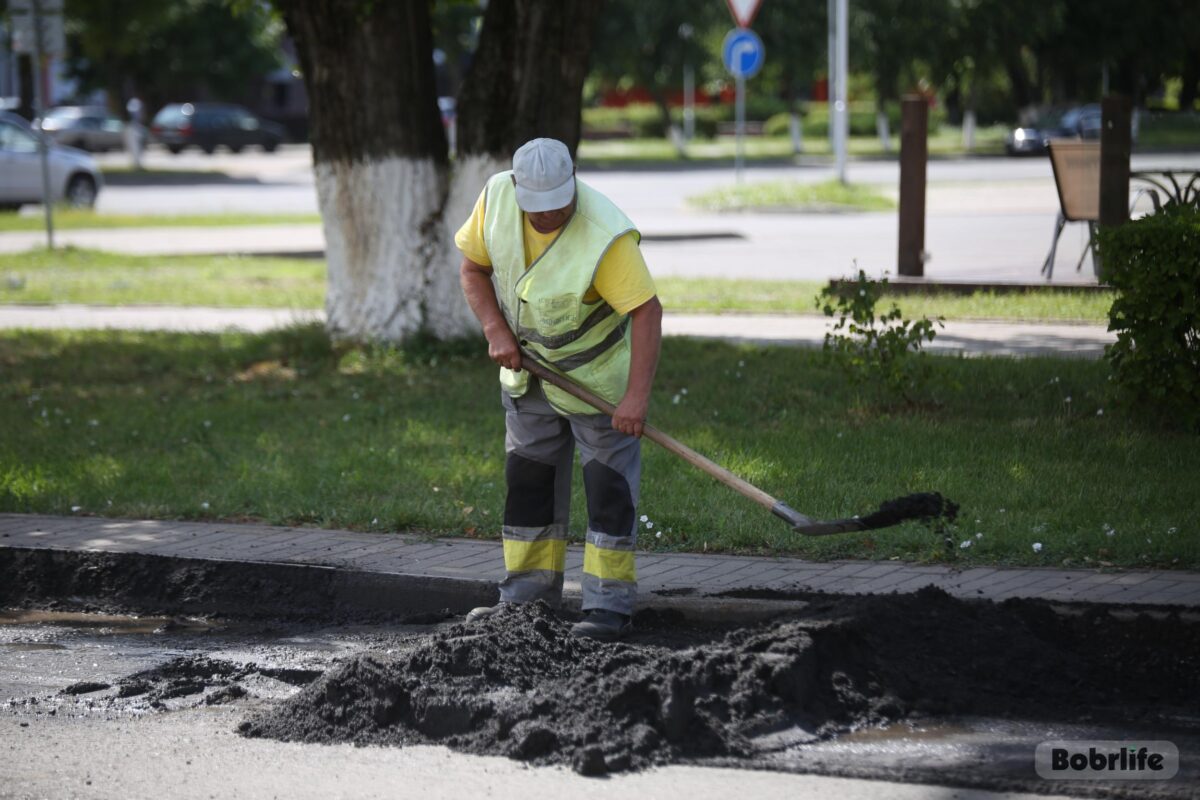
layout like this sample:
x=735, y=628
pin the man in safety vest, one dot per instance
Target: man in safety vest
x=552, y=267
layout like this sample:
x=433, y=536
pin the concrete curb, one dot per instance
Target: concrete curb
x=93, y=580
x=328, y=570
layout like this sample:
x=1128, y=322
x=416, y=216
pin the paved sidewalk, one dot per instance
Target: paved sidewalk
x=969, y=338
x=475, y=561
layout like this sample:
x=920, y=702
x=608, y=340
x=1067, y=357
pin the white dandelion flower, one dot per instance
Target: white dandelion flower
x=1037, y=547
x=645, y=518
x=965, y=544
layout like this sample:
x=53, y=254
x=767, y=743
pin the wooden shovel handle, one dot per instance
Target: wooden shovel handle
x=744, y=488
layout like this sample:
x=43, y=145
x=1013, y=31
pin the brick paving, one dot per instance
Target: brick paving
x=467, y=559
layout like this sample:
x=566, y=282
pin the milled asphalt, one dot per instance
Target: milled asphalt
x=472, y=567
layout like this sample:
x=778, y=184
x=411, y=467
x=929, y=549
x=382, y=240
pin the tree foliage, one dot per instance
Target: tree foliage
x=170, y=51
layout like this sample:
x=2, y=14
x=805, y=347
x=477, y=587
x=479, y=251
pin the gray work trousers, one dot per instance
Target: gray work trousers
x=539, y=446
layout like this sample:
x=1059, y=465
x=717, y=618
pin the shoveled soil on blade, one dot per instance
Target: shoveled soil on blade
x=516, y=684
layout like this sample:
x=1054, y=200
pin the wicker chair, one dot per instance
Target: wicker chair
x=1076, y=168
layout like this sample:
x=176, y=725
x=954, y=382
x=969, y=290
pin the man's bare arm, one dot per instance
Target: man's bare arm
x=476, y=281
x=645, y=340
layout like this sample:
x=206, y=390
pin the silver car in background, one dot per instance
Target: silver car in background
x=90, y=128
x=74, y=177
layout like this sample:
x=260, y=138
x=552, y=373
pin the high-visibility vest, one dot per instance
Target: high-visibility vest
x=544, y=304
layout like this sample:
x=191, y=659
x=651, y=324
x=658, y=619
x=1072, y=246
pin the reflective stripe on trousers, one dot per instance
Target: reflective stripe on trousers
x=540, y=446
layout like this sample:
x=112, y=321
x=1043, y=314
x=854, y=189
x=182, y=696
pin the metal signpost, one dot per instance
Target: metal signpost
x=38, y=31
x=841, y=109
x=743, y=55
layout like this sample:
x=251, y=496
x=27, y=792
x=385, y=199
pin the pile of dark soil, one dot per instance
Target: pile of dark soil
x=516, y=684
x=211, y=681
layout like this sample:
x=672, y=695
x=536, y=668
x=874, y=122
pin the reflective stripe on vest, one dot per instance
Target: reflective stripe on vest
x=544, y=304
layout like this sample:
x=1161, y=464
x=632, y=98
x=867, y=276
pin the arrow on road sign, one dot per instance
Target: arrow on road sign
x=743, y=53
x=744, y=11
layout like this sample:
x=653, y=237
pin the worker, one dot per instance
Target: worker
x=552, y=268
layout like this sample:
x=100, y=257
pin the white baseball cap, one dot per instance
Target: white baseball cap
x=544, y=175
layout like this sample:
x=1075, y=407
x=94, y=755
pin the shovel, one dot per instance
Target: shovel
x=926, y=505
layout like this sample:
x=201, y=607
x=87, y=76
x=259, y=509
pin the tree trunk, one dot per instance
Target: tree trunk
x=525, y=81
x=527, y=75
x=882, y=128
x=388, y=203
x=1018, y=78
x=1191, y=82
x=380, y=161
x=25, y=79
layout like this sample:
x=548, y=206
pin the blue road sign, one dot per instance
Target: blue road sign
x=743, y=53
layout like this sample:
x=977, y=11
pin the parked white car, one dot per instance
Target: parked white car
x=74, y=177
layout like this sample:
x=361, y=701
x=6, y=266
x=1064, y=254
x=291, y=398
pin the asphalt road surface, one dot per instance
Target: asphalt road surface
x=987, y=218
x=55, y=745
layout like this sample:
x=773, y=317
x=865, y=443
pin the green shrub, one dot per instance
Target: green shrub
x=705, y=121
x=779, y=124
x=644, y=121
x=641, y=120
x=1154, y=265
x=862, y=120
x=884, y=352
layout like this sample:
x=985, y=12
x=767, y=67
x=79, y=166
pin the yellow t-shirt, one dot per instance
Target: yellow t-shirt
x=622, y=278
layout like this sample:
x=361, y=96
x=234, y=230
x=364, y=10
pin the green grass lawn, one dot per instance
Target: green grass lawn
x=72, y=275
x=86, y=276
x=717, y=295
x=75, y=219
x=793, y=196
x=614, y=152
x=286, y=429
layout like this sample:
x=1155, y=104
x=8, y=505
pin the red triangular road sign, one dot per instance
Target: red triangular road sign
x=744, y=11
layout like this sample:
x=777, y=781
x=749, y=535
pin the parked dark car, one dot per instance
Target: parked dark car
x=90, y=128
x=1079, y=122
x=210, y=125
x=74, y=177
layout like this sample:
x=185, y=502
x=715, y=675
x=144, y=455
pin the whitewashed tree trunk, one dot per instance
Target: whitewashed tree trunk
x=796, y=129
x=381, y=220
x=390, y=200
x=883, y=129
x=968, y=130
x=469, y=176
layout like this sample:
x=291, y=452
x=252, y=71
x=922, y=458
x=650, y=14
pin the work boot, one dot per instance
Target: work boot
x=483, y=612
x=603, y=625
